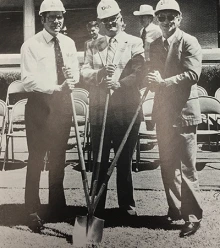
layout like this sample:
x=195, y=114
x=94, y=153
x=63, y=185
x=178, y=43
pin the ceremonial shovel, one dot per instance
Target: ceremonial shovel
x=89, y=229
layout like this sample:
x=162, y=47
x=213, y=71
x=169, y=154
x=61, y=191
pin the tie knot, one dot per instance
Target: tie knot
x=112, y=40
x=55, y=40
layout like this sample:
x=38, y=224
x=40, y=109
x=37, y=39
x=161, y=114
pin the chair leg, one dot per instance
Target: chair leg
x=6, y=153
x=12, y=149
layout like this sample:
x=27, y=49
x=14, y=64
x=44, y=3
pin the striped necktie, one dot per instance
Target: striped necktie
x=111, y=50
x=59, y=61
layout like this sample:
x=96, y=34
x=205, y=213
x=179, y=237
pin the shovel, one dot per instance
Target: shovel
x=83, y=172
x=86, y=228
x=89, y=229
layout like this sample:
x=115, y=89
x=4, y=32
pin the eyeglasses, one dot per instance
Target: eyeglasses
x=110, y=19
x=52, y=18
x=162, y=18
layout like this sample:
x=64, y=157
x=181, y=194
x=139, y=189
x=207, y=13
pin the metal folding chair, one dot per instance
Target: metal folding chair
x=82, y=119
x=16, y=127
x=147, y=130
x=202, y=91
x=83, y=94
x=210, y=107
x=2, y=122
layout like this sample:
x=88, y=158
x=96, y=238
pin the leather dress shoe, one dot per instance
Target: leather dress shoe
x=189, y=228
x=35, y=223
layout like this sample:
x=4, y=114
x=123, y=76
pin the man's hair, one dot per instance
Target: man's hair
x=92, y=24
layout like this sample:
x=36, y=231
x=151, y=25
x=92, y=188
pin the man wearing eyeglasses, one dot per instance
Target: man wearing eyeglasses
x=175, y=67
x=48, y=113
x=114, y=63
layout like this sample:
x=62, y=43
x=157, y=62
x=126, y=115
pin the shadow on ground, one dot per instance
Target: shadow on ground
x=13, y=165
x=15, y=215
x=114, y=218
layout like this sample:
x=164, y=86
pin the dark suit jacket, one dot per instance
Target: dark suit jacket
x=129, y=60
x=177, y=100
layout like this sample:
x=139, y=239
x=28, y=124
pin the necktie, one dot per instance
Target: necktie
x=166, y=45
x=143, y=35
x=59, y=61
x=111, y=50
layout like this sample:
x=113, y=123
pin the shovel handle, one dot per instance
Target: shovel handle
x=118, y=153
x=80, y=153
x=99, y=158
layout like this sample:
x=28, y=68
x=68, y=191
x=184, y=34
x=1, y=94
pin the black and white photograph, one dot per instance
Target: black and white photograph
x=109, y=123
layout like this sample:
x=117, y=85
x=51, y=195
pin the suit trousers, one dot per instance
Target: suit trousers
x=177, y=149
x=47, y=131
x=113, y=136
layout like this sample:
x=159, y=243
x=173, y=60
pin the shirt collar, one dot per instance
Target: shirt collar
x=149, y=26
x=170, y=39
x=117, y=37
x=48, y=37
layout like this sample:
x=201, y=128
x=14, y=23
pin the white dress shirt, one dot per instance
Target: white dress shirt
x=38, y=64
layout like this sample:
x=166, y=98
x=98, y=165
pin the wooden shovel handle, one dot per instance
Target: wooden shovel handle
x=81, y=158
x=99, y=158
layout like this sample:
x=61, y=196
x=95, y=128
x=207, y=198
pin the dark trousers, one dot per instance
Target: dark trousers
x=113, y=137
x=47, y=131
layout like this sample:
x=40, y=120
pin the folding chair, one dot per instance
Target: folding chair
x=150, y=94
x=147, y=129
x=16, y=127
x=15, y=92
x=82, y=119
x=83, y=94
x=2, y=121
x=210, y=107
x=217, y=94
x=202, y=91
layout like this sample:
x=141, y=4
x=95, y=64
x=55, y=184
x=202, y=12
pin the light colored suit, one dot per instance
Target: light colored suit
x=129, y=58
x=88, y=44
x=176, y=113
x=129, y=61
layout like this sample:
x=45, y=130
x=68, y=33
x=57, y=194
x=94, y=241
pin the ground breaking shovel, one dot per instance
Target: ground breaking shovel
x=86, y=228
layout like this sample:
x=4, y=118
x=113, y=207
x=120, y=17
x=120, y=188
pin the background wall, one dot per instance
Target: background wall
x=199, y=19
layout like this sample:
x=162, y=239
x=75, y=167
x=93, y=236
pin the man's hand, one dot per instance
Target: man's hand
x=106, y=71
x=68, y=84
x=110, y=69
x=111, y=84
x=67, y=72
x=155, y=78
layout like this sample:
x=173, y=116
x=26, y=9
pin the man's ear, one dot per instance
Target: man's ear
x=42, y=19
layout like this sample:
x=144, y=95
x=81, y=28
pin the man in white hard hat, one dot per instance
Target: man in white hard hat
x=150, y=31
x=48, y=113
x=175, y=67
x=114, y=63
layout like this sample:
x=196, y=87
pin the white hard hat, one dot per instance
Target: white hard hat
x=144, y=10
x=167, y=5
x=51, y=5
x=107, y=8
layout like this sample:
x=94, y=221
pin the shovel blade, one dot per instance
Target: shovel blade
x=87, y=230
